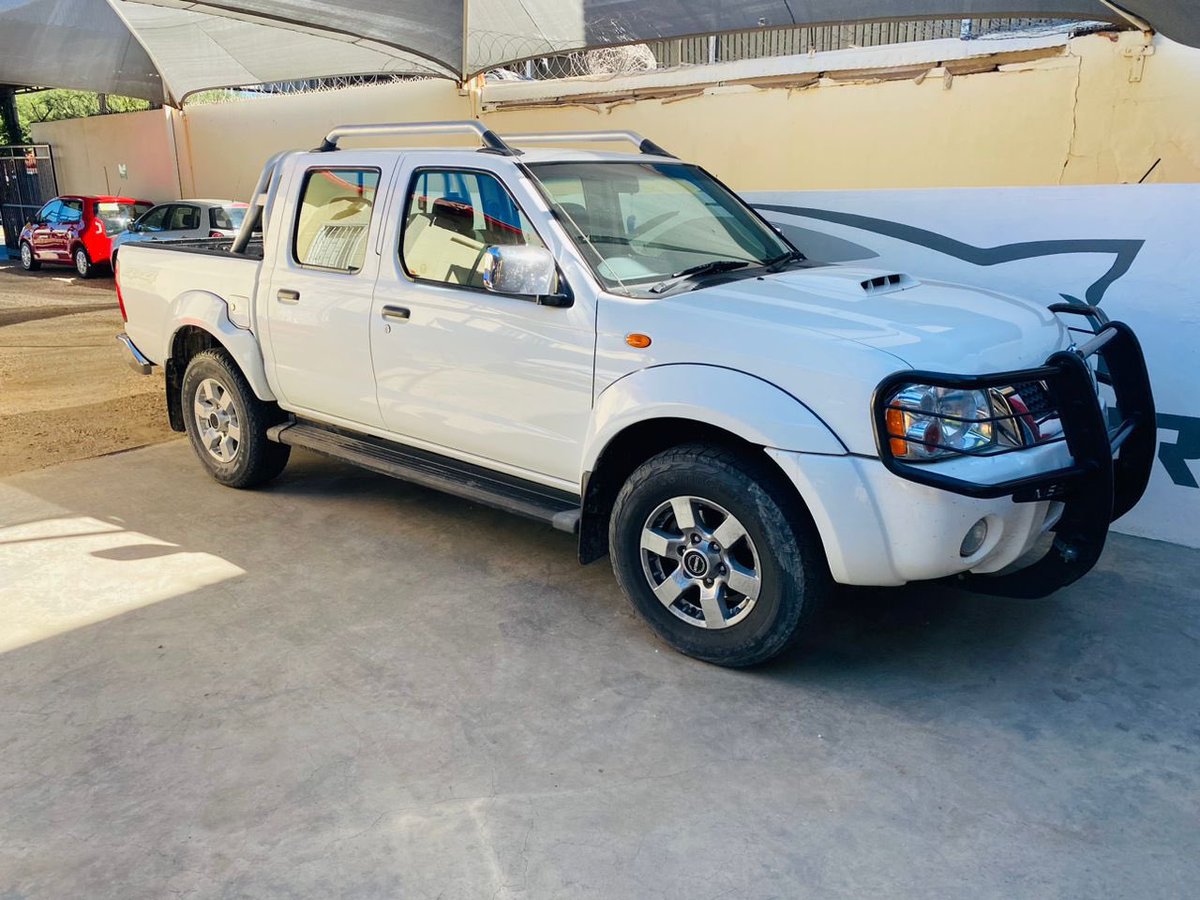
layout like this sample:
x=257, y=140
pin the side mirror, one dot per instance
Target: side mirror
x=523, y=271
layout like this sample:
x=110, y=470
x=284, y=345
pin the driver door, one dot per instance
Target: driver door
x=463, y=371
x=41, y=236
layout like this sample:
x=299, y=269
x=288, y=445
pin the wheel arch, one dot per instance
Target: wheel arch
x=655, y=409
x=202, y=323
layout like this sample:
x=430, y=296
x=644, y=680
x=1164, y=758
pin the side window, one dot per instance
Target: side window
x=71, y=212
x=154, y=220
x=334, y=216
x=184, y=218
x=49, y=212
x=452, y=217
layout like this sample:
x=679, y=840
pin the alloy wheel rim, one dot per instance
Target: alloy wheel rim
x=26, y=255
x=700, y=562
x=81, y=262
x=218, y=421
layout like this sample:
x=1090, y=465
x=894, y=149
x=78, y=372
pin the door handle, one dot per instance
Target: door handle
x=400, y=313
x=287, y=296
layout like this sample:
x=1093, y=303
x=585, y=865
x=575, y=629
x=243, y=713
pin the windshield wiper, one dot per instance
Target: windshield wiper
x=709, y=268
x=780, y=262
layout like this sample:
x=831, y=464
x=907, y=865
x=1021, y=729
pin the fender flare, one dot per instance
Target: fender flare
x=741, y=404
x=209, y=312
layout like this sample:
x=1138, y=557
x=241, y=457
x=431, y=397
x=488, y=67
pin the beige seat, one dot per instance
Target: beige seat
x=442, y=245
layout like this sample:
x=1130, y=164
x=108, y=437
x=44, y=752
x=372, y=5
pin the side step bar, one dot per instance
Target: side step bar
x=441, y=473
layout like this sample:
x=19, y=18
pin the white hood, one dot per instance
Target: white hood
x=929, y=325
x=823, y=337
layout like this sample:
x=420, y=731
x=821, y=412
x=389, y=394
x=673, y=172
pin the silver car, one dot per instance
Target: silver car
x=183, y=219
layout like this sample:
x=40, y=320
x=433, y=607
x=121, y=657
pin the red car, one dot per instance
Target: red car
x=75, y=231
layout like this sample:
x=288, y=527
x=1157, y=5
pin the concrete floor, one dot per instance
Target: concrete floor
x=345, y=686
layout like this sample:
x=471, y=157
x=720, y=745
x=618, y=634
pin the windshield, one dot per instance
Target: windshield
x=638, y=223
x=117, y=216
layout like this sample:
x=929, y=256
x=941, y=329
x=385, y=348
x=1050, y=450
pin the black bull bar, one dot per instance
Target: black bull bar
x=1110, y=465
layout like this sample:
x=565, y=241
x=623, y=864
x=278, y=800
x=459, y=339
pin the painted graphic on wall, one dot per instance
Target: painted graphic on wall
x=880, y=229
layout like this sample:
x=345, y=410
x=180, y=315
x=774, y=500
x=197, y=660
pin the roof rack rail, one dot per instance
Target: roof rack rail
x=644, y=145
x=491, y=142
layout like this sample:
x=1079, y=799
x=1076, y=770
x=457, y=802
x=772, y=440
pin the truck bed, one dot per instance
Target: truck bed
x=205, y=246
x=162, y=283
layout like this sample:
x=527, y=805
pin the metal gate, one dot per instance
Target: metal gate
x=27, y=181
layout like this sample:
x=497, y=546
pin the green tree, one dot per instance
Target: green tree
x=52, y=105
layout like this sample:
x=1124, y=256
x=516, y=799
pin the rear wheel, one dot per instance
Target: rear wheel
x=227, y=424
x=83, y=263
x=706, y=554
x=29, y=262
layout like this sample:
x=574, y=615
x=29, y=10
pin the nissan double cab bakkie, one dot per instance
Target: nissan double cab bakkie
x=617, y=345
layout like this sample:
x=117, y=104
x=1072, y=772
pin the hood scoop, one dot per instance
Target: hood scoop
x=886, y=284
x=850, y=283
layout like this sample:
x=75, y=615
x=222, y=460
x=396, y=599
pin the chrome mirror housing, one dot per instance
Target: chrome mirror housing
x=520, y=270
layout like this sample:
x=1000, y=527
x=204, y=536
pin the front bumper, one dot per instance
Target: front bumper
x=888, y=522
x=136, y=359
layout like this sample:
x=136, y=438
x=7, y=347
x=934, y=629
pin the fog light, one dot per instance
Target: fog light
x=974, y=539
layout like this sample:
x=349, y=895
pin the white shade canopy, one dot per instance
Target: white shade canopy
x=163, y=50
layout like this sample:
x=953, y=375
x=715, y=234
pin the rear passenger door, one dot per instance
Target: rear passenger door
x=466, y=372
x=317, y=304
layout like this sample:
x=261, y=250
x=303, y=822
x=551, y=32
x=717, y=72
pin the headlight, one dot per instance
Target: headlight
x=927, y=422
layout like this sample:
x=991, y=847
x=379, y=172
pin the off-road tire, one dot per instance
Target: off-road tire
x=256, y=459
x=794, y=575
x=29, y=262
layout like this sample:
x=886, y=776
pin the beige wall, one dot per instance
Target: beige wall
x=1072, y=116
x=88, y=153
x=228, y=142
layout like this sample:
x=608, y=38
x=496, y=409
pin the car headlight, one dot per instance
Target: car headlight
x=928, y=422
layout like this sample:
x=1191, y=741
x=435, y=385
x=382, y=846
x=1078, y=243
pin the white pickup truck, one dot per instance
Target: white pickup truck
x=616, y=344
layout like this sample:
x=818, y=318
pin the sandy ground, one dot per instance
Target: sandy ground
x=65, y=390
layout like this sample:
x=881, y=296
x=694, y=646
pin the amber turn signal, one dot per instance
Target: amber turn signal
x=641, y=341
x=895, y=427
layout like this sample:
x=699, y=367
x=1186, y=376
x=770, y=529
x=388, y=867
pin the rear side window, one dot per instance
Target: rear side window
x=184, y=218
x=334, y=216
x=118, y=216
x=226, y=218
x=71, y=212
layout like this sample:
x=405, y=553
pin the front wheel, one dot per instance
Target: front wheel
x=29, y=262
x=83, y=263
x=227, y=424
x=704, y=551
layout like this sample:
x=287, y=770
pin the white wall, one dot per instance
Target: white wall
x=1152, y=228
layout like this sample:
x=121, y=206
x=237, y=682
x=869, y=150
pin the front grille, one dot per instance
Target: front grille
x=1036, y=399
